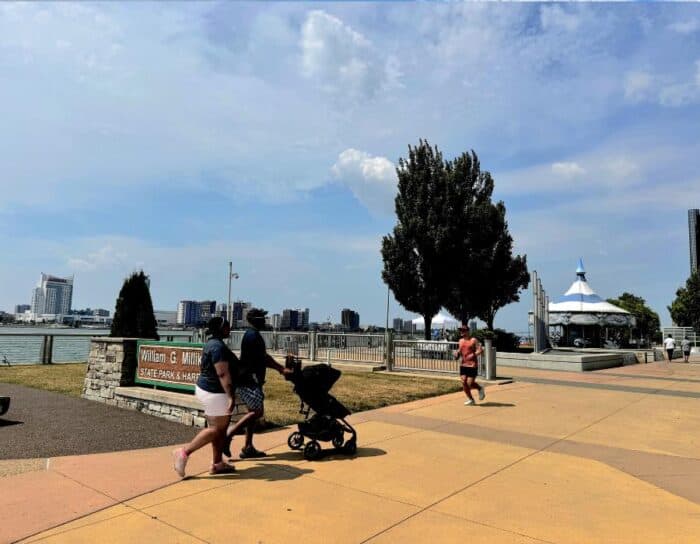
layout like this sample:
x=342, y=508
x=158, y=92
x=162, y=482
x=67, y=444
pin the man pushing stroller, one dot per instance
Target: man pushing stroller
x=249, y=378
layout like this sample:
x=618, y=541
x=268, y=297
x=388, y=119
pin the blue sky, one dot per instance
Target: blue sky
x=175, y=137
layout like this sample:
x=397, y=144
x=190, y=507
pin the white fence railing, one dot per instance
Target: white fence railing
x=427, y=356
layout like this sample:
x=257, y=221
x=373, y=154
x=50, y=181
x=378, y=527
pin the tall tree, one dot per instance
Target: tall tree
x=647, y=320
x=501, y=276
x=486, y=276
x=685, y=309
x=133, y=316
x=416, y=256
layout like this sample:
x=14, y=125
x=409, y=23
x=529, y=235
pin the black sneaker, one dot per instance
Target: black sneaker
x=252, y=453
x=226, y=450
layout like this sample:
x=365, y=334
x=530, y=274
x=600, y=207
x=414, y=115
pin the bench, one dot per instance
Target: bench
x=4, y=405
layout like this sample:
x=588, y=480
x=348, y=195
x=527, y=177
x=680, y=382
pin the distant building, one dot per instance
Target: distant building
x=52, y=296
x=350, y=319
x=194, y=313
x=21, y=308
x=397, y=324
x=694, y=238
x=275, y=321
x=294, y=319
x=165, y=318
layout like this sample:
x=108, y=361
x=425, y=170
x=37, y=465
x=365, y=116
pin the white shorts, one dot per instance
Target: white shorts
x=215, y=404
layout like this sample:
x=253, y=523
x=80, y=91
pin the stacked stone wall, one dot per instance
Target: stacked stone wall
x=111, y=364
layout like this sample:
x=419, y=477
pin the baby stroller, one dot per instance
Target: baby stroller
x=327, y=424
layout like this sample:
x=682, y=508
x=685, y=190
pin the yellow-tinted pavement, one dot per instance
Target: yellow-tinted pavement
x=560, y=457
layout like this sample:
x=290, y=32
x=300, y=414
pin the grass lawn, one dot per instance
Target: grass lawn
x=66, y=378
x=357, y=390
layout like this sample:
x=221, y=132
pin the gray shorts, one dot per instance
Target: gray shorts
x=252, y=396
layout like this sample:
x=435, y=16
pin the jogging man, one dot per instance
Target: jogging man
x=467, y=352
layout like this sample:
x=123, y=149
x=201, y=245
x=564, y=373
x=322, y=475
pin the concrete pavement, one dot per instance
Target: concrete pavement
x=610, y=456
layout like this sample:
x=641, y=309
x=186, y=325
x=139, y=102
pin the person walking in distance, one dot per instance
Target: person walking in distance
x=685, y=347
x=467, y=352
x=215, y=391
x=249, y=383
x=669, y=346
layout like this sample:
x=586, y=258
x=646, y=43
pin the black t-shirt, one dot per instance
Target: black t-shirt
x=253, y=358
x=214, y=351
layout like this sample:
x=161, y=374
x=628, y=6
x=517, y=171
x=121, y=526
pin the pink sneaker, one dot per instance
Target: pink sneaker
x=180, y=461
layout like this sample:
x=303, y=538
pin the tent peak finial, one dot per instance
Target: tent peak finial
x=580, y=271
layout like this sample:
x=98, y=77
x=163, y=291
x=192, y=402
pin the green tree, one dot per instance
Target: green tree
x=417, y=254
x=647, y=320
x=486, y=276
x=133, y=316
x=685, y=309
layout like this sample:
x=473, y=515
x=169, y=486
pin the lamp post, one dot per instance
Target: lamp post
x=231, y=276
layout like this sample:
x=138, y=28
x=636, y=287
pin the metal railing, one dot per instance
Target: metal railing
x=428, y=356
x=360, y=348
x=60, y=347
x=277, y=342
x=375, y=349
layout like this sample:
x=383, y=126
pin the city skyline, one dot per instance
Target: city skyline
x=179, y=137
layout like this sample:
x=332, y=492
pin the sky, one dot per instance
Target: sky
x=176, y=137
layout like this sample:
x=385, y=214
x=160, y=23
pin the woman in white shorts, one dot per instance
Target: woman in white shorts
x=215, y=392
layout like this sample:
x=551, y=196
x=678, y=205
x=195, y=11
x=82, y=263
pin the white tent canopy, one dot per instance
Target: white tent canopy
x=440, y=320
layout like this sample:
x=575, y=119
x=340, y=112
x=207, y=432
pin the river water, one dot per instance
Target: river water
x=69, y=345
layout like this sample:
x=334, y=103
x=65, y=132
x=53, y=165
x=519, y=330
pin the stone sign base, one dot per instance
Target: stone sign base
x=109, y=378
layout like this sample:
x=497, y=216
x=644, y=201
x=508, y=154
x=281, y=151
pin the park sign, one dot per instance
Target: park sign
x=168, y=364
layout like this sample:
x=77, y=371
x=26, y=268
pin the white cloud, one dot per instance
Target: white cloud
x=555, y=16
x=104, y=257
x=637, y=85
x=679, y=94
x=371, y=179
x=341, y=59
x=685, y=27
x=568, y=170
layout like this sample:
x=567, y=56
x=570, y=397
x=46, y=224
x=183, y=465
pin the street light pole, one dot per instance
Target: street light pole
x=387, y=309
x=229, y=308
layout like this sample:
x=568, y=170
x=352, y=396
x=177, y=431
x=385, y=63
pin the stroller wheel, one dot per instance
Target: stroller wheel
x=312, y=451
x=338, y=441
x=295, y=440
x=350, y=447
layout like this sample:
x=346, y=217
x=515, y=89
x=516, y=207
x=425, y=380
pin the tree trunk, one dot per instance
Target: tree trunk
x=489, y=322
x=428, y=321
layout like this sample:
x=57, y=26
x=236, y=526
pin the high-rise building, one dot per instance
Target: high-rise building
x=694, y=238
x=294, y=319
x=192, y=312
x=350, y=319
x=398, y=324
x=21, y=308
x=52, y=295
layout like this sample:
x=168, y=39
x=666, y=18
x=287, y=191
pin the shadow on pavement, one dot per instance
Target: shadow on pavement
x=268, y=473
x=9, y=422
x=488, y=404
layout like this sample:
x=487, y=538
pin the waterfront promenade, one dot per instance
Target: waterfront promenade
x=610, y=456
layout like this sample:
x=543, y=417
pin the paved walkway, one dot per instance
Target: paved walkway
x=610, y=456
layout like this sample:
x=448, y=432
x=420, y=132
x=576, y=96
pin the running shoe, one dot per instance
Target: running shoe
x=482, y=394
x=180, y=461
x=251, y=453
x=469, y=402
